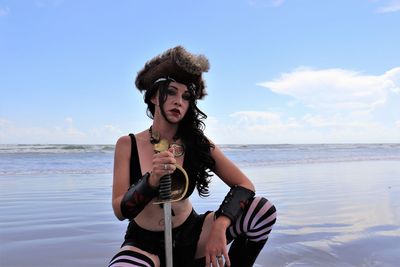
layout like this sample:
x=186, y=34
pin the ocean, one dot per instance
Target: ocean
x=338, y=204
x=92, y=159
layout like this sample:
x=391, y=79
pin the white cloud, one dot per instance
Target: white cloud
x=112, y=129
x=65, y=133
x=346, y=107
x=107, y=133
x=255, y=128
x=343, y=106
x=336, y=88
x=256, y=116
x=4, y=11
x=3, y=122
x=390, y=6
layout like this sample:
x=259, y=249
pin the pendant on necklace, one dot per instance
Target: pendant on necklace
x=161, y=146
x=178, y=149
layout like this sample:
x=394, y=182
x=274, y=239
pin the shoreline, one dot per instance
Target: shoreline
x=329, y=214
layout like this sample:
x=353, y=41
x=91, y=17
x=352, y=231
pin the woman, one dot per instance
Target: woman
x=172, y=83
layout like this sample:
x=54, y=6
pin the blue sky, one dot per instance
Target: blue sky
x=282, y=71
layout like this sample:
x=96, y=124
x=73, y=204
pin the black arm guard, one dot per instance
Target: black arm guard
x=137, y=197
x=235, y=202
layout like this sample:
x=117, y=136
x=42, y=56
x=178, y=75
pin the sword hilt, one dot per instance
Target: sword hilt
x=169, y=192
x=165, y=188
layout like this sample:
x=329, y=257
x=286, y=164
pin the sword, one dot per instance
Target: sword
x=165, y=197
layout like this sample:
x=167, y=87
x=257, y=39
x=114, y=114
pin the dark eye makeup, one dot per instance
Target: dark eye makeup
x=186, y=96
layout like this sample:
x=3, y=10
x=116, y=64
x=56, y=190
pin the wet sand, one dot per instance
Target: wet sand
x=329, y=214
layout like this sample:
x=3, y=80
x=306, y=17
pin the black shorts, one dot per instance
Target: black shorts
x=185, y=238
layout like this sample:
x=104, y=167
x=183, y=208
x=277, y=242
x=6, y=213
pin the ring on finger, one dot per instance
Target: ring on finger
x=219, y=257
x=165, y=167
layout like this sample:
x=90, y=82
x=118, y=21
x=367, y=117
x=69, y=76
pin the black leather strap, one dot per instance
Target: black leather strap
x=137, y=197
x=234, y=202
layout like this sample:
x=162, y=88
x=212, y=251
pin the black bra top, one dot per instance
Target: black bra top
x=136, y=171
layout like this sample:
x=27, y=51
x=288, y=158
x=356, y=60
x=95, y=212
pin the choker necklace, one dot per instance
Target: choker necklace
x=178, y=149
x=154, y=137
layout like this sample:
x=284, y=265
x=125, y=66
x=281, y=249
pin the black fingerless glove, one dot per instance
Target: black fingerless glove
x=235, y=202
x=137, y=197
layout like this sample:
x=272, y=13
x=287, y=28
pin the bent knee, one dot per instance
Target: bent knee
x=261, y=213
x=260, y=219
x=134, y=256
x=267, y=211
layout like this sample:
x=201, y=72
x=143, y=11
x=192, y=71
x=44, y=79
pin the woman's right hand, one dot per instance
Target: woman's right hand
x=163, y=164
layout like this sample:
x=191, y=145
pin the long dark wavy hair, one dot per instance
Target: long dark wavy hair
x=191, y=132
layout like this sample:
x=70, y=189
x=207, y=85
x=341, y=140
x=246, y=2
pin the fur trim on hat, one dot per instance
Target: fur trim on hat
x=178, y=64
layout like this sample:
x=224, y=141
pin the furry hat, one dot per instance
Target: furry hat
x=178, y=64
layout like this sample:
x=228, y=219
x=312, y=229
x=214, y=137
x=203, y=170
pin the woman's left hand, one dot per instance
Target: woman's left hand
x=216, y=247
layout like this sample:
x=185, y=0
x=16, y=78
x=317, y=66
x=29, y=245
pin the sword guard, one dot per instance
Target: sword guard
x=172, y=187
